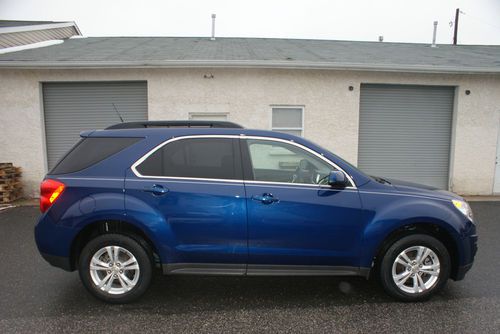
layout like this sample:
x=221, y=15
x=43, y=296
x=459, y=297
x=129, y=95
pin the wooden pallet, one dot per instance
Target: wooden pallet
x=11, y=197
x=10, y=183
x=9, y=172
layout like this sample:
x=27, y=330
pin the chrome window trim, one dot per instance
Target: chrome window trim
x=242, y=136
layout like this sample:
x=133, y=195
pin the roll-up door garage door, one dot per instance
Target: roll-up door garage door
x=405, y=132
x=72, y=107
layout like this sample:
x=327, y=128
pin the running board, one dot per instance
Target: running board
x=261, y=270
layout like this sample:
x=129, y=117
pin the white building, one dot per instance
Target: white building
x=409, y=111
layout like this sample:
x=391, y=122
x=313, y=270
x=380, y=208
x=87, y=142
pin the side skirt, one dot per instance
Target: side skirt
x=261, y=270
x=203, y=269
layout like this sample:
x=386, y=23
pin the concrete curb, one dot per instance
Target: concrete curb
x=482, y=198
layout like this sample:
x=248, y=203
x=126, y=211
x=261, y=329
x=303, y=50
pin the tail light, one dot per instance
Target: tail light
x=50, y=190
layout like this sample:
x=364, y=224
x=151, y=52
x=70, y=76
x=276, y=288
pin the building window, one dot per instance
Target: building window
x=204, y=116
x=288, y=120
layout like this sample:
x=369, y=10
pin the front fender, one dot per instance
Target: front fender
x=399, y=211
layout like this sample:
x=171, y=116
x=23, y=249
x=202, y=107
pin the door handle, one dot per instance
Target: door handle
x=265, y=198
x=156, y=189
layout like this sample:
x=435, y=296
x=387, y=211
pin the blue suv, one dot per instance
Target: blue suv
x=213, y=198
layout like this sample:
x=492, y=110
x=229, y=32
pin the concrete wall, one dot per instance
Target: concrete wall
x=331, y=116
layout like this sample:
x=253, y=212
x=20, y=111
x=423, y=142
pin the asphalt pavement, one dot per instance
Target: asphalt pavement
x=35, y=297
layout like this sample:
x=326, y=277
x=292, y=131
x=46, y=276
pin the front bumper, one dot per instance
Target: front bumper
x=461, y=271
x=58, y=261
x=470, y=250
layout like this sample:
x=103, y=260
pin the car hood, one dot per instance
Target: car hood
x=422, y=189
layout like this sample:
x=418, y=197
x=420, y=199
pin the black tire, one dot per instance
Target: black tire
x=399, y=246
x=141, y=255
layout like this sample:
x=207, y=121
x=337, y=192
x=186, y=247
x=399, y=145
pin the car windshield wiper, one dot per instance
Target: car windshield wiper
x=380, y=180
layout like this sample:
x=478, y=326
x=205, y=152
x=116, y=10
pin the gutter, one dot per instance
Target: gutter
x=246, y=64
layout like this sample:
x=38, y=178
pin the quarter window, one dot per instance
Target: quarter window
x=288, y=120
x=91, y=150
x=210, y=158
x=274, y=161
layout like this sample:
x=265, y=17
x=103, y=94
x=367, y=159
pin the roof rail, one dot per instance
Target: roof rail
x=174, y=124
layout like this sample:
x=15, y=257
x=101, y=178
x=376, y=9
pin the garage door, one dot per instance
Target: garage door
x=405, y=132
x=70, y=108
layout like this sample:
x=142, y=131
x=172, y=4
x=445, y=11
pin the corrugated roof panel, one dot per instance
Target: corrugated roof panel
x=35, y=36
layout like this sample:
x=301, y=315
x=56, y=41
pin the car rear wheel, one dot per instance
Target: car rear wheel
x=115, y=268
x=415, y=267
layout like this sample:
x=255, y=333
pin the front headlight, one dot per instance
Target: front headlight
x=464, y=208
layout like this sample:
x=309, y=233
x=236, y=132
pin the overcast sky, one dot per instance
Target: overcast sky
x=396, y=20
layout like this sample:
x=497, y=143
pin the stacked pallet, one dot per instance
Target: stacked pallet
x=10, y=182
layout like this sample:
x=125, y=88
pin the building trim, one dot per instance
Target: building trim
x=62, y=64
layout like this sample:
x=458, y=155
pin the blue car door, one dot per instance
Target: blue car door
x=297, y=223
x=191, y=191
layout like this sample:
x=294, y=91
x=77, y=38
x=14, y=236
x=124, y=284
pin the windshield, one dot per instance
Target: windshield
x=372, y=177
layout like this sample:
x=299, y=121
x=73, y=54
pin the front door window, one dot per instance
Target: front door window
x=274, y=161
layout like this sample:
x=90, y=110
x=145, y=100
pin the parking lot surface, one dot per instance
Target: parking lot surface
x=35, y=297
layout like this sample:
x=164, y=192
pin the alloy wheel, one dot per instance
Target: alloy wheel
x=416, y=269
x=114, y=270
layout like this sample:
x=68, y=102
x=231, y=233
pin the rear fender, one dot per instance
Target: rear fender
x=110, y=207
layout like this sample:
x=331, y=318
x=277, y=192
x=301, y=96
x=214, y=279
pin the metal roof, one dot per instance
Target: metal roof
x=13, y=23
x=15, y=34
x=7, y=27
x=140, y=52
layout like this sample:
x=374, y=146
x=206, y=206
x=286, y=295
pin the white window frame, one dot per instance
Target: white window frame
x=191, y=114
x=284, y=106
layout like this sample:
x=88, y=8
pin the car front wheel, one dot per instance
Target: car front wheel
x=115, y=268
x=415, y=267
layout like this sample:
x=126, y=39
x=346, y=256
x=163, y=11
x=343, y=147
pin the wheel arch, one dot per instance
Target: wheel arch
x=433, y=229
x=104, y=226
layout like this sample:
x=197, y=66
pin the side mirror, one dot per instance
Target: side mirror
x=337, y=179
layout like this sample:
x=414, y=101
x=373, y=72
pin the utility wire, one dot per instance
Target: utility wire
x=480, y=20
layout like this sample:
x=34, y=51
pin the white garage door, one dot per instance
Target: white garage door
x=405, y=132
x=72, y=107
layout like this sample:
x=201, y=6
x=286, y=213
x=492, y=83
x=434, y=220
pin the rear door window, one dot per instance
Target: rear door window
x=89, y=151
x=207, y=158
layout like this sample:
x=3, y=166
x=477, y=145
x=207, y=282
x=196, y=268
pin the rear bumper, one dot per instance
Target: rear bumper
x=54, y=242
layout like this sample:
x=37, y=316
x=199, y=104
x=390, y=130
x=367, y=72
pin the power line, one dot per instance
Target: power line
x=480, y=20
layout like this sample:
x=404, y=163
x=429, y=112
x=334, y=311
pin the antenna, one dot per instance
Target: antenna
x=121, y=119
x=434, y=34
x=455, y=31
x=213, y=28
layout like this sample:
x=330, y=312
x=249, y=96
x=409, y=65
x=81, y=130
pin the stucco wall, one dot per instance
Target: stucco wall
x=331, y=110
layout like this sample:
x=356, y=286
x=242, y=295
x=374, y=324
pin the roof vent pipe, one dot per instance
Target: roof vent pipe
x=434, y=34
x=213, y=28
